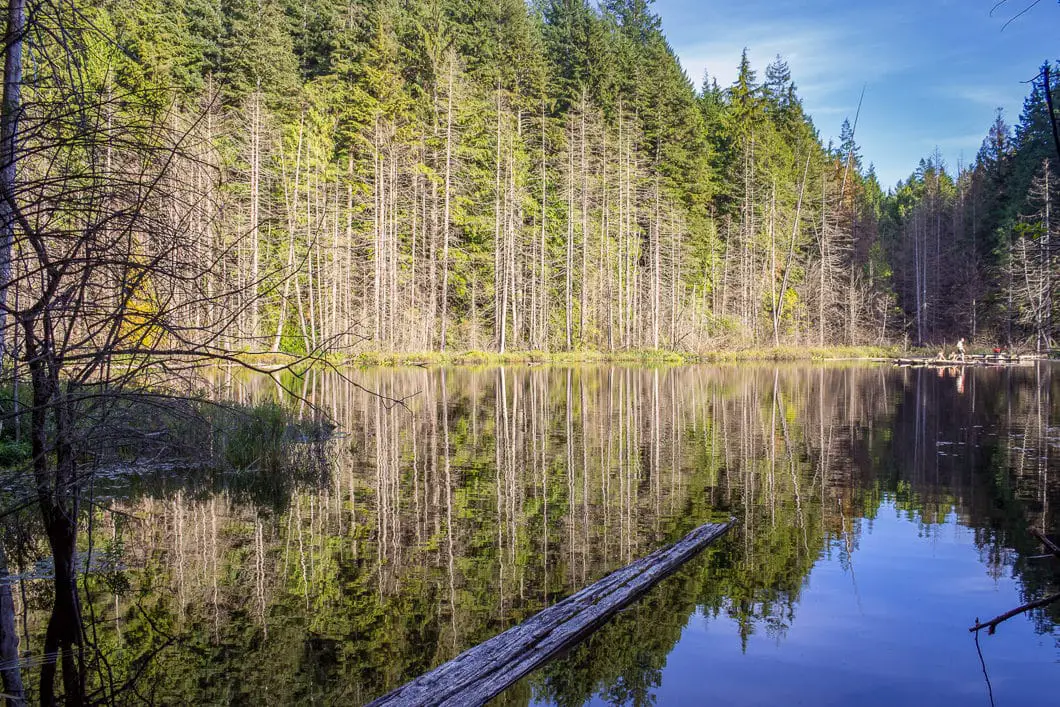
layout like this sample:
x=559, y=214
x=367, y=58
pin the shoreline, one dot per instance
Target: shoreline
x=643, y=357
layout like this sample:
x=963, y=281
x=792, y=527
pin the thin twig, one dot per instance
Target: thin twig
x=1019, y=14
x=982, y=662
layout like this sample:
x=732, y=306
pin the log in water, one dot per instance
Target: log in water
x=989, y=360
x=483, y=672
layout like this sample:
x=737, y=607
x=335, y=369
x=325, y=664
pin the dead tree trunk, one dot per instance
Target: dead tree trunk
x=9, y=114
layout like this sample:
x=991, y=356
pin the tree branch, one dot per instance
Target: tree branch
x=1036, y=604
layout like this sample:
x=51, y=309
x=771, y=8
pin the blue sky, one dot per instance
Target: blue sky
x=934, y=71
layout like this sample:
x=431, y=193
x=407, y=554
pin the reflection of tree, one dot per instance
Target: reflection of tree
x=987, y=455
x=502, y=491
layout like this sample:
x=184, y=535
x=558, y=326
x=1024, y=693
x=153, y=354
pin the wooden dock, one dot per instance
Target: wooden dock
x=483, y=672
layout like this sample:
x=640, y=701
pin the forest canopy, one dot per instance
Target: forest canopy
x=497, y=174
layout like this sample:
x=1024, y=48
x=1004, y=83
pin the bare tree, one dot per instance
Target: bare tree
x=9, y=114
x=10, y=111
x=116, y=304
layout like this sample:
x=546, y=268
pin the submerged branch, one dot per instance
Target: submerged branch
x=1036, y=604
x=1045, y=540
x=992, y=623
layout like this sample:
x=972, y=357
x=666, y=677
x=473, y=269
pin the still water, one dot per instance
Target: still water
x=880, y=512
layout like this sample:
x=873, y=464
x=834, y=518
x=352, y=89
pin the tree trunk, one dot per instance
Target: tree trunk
x=568, y=275
x=584, y=283
x=9, y=115
x=64, y=626
x=445, y=211
x=499, y=286
x=255, y=196
x=11, y=673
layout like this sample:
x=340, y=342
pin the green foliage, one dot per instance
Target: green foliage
x=254, y=439
x=572, y=168
x=563, y=131
x=14, y=453
x=968, y=230
x=257, y=51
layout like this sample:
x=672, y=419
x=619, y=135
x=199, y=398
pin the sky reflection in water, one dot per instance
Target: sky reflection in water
x=891, y=629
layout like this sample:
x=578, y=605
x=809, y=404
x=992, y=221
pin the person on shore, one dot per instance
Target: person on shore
x=960, y=348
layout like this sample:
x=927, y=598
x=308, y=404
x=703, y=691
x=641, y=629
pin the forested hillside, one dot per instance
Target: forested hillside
x=493, y=174
x=973, y=253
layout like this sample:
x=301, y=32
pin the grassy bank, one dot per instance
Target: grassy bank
x=638, y=357
x=124, y=428
x=801, y=353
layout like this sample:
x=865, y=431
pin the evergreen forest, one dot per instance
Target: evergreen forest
x=505, y=175
x=193, y=190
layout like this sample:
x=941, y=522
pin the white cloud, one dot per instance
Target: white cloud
x=969, y=141
x=819, y=56
x=933, y=70
x=991, y=96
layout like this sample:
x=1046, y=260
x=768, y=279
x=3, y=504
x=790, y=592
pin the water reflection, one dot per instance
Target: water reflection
x=489, y=494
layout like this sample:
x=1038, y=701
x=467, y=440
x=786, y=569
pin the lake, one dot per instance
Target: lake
x=879, y=510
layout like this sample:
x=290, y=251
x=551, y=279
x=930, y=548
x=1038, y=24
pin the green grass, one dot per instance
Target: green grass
x=262, y=452
x=251, y=438
x=13, y=453
x=264, y=438
x=15, y=450
x=800, y=353
x=490, y=358
x=641, y=357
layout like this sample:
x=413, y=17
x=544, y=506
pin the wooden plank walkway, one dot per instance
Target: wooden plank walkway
x=483, y=672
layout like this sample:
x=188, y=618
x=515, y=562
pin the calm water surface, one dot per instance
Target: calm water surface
x=880, y=511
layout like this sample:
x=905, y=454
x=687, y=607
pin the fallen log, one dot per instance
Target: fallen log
x=969, y=362
x=483, y=672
